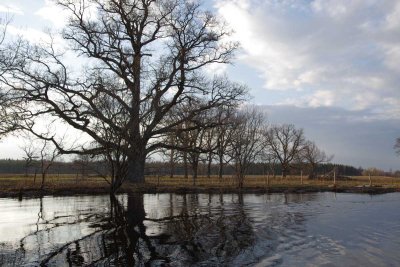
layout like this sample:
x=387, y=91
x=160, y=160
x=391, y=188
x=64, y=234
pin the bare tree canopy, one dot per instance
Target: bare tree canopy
x=142, y=60
x=247, y=142
x=285, y=142
x=8, y=119
x=313, y=156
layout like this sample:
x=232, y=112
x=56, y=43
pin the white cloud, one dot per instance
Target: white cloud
x=36, y=36
x=50, y=11
x=30, y=34
x=59, y=15
x=321, y=98
x=215, y=69
x=342, y=53
x=11, y=8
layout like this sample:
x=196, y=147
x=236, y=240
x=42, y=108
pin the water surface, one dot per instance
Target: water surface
x=319, y=229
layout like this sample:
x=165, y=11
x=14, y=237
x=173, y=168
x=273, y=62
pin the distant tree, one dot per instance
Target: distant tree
x=313, y=156
x=192, y=135
x=210, y=146
x=171, y=155
x=223, y=134
x=270, y=162
x=30, y=156
x=247, y=141
x=285, y=142
x=373, y=171
x=47, y=156
x=82, y=163
x=42, y=151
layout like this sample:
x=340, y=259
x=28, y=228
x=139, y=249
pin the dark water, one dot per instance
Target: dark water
x=323, y=229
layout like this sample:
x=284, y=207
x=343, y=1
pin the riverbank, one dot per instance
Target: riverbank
x=21, y=186
x=150, y=189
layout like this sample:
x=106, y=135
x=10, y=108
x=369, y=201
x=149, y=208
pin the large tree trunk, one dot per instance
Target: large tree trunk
x=285, y=170
x=136, y=169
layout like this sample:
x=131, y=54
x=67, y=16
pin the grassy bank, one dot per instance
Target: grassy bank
x=21, y=186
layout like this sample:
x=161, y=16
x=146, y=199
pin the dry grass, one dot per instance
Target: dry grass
x=264, y=181
x=13, y=182
x=57, y=182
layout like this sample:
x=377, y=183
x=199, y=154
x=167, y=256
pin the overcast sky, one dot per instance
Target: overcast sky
x=331, y=67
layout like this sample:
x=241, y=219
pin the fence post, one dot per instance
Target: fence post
x=370, y=181
x=334, y=177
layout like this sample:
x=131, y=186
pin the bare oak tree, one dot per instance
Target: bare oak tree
x=223, y=135
x=30, y=156
x=192, y=136
x=141, y=59
x=40, y=152
x=285, y=142
x=47, y=155
x=171, y=155
x=246, y=144
x=314, y=156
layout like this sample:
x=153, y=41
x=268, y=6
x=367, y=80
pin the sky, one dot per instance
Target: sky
x=331, y=67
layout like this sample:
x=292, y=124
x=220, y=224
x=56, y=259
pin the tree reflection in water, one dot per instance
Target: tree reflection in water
x=205, y=237
x=157, y=230
x=191, y=232
x=201, y=230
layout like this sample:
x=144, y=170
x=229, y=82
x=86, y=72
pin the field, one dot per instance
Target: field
x=278, y=181
x=15, y=185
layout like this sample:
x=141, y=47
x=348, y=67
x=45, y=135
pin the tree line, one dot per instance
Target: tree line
x=82, y=169
x=240, y=138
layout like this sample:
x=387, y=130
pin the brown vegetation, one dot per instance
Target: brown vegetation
x=22, y=186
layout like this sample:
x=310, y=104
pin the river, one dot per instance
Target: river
x=317, y=229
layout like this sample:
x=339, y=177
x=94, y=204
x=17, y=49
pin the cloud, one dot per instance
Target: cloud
x=35, y=36
x=215, y=69
x=342, y=53
x=30, y=34
x=59, y=15
x=11, y=8
x=50, y=11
